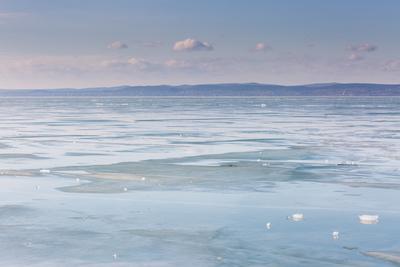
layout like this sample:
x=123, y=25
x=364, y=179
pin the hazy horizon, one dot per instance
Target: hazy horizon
x=194, y=84
x=50, y=44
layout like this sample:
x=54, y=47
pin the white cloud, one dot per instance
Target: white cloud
x=261, y=47
x=355, y=57
x=137, y=63
x=140, y=63
x=392, y=65
x=359, y=51
x=363, y=47
x=117, y=45
x=214, y=65
x=192, y=45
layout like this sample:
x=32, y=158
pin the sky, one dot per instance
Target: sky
x=92, y=43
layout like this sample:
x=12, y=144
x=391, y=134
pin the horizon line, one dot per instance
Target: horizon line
x=199, y=84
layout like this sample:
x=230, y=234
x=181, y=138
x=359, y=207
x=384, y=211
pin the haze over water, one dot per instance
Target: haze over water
x=186, y=181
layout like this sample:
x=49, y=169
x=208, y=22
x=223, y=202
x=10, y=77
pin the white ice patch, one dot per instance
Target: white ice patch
x=369, y=219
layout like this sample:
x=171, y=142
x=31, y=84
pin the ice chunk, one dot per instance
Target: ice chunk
x=44, y=171
x=369, y=219
x=335, y=235
x=296, y=217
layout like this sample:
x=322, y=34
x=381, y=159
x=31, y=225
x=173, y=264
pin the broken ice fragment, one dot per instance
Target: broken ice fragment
x=296, y=217
x=369, y=219
x=335, y=235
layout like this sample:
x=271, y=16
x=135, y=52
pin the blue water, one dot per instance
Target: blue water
x=193, y=181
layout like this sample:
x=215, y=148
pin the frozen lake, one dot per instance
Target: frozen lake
x=194, y=181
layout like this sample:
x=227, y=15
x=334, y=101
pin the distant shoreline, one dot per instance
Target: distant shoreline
x=195, y=97
x=217, y=90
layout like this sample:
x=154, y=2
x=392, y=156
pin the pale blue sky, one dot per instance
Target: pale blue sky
x=71, y=43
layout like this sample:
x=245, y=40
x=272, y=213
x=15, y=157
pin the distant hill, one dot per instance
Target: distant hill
x=204, y=90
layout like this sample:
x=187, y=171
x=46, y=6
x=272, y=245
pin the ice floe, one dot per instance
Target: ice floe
x=368, y=219
x=335, y=235
x=297, y=217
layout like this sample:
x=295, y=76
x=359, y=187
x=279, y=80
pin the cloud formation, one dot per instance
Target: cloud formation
x=392, y=65
x=355, y=57
x=140, y=63
x=261, y=47
x=137, y=63
x=117, y=45
x=363, y=47
x=192, y=45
